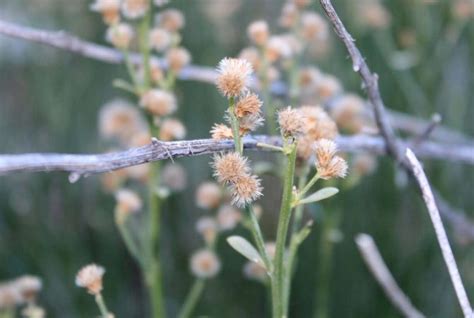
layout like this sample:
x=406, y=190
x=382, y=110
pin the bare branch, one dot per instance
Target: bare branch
x=425, y=134
x=374, y=261
x=440, y=234
x=157, y=150
x=67, y=42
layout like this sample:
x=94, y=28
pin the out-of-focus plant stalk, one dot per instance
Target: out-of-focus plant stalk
x=192, y=298
x=104, y=312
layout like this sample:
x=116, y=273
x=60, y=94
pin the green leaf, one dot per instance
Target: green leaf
x=245, y=248
x=319, y=195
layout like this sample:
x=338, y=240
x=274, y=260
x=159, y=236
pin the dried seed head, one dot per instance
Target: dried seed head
x=348, y=112
x=28, y=286
x=177, y=58
x=133, y=9
x=364, y=164
x=174, y=177
x=314, y=27
x=111, y=181
x=90, y=277
x=208, y=195
x=205, y=264
x=255, y=271
x=158, y=102
x=120, y=35
x=221, y=132
x=171, y=19
x=160, y=39
x=373, y=14
x=10, y=296
x=228, y=217
x=245, y=190
x=289, y=15
x=233, y=78
x=277, y=48
x=273, y=74
x=291, y=122
x=301, y=3
x=140, y=173
x=110, y=10
x=228, y=168
x=250, y=123
x=258, y=32
x=207, y=227
x=249, y=104
x=327, y=87
x=251, y=54
x=328, y=164
x=128, y=201
x=119, y=119
x=172, y=129
x=309, y=76
x=318, y=123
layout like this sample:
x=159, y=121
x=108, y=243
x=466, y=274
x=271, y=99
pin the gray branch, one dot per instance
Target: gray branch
x=374, y=261
x=443, y=241
x=67, y=42
x=394, y=149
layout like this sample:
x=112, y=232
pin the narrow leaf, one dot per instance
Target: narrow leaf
x=319, y=195
x=245, y=248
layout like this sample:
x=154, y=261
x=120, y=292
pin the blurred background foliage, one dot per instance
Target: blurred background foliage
x=49, y=101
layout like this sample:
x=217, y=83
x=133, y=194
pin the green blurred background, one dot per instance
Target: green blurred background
x=49, y=101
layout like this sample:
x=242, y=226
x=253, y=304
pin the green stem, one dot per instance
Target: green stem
x=234, y=123
x=192, y=298
x=102, y=307
x=307, y=186
x=258, y=237
x=144, y=31
x=282, y=231
x=131, y=70
x=130, y=243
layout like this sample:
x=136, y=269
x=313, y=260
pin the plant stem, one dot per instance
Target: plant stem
x=282, y=231
x=258, y=237
x=234, y=122
x=192, y=298
x=130, y=243
x=308, y=186
x=102, y=307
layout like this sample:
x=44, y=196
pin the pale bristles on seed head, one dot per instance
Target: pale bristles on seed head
x=328, y=164
x=258, y=32
x=160, y=39
x=291, y=122
x=208, y=195
x=301, y=3
x=245, y=190
x=363, y=164
x=110, y=10
x=250, y=123
x=120, y=35
x=289, y=15
x=174, y=177
x=177, y=58
x=133, y=9
x=207, y=227
x=159, y=102
x=172, y=129
x=255, y=271
x=221, y=132
x=120, y=119
x=327, y=87
x=248, y=104
x=228, y=168
x=318, y=123
x=348, y=112
x=295, y=45
x=140, y=172
x=277, y=48
x=251, y=54
x=90, y=277
x=205, y=264
x=10, y=296
x=309, y=76
x=128, y=202
x=314, y=27
x=171, y=19
x=234, y=76
x=373, y=14
x=228, y=217
x=28, y=286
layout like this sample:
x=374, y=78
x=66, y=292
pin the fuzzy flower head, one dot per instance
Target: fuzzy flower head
x=174, y=177
x=28, y=286
x=258, y=32
x=171, y=20
x=221, y=132
x=128, y=202
x=10, y=296
x=328, y=164
x=133, y=9
x=252, y=55
x=277, y=48
x=255, y=271
x=120, y=35
x=289, y=15
x=158, y=102
x=314, y=27
x=177, y=58
x=228, y=217
x=233, y=78
x=327, y=87
x=208, y=195
x=207, y=227
x=318, y=123
x=245, y=190
x=90, y=277
x=291, y=122
x=250, y=123
x=160, y=39
x=172, y=129
x=110, y=10
x=228, y=168
x=205, y=264
x=348, y=112
x=248, y=104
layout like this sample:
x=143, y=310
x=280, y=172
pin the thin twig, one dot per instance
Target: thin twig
x=425, y=134
x=157, y=150
x=440, y=234
x=70, y=43
x=374, y=261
